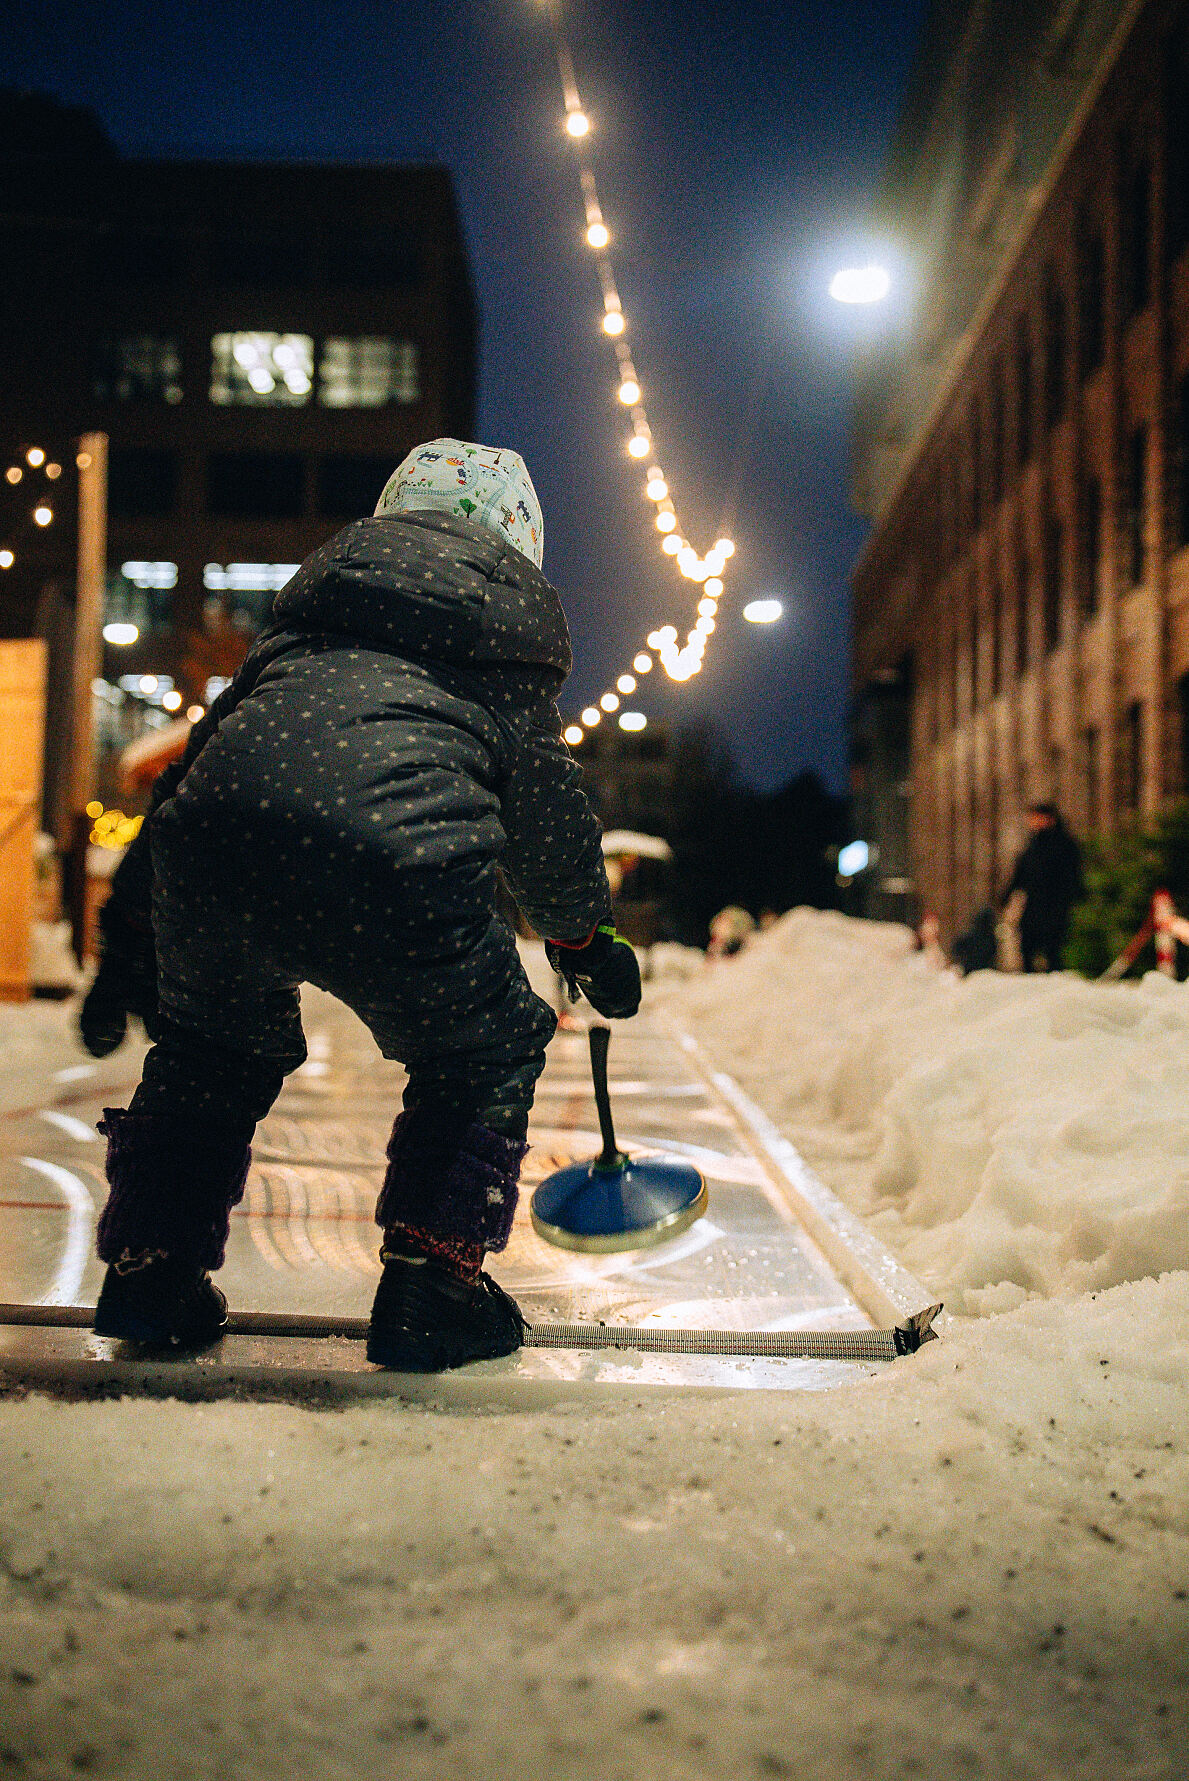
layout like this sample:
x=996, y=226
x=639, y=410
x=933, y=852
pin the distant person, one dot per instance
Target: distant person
x=337, y=819
x=730, y=931
x=1048, y=877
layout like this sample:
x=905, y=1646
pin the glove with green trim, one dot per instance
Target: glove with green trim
x=603, y=967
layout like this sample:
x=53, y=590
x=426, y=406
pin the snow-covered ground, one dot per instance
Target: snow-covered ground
x=1008, y=1137
x=975, y=1565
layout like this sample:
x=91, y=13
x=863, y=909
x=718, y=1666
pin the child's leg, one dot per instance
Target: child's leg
x=177, y=1159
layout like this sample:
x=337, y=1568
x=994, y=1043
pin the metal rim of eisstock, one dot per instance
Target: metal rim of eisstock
x=648, y=1238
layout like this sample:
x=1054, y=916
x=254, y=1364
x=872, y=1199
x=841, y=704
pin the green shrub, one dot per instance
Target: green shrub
x=1122, y=871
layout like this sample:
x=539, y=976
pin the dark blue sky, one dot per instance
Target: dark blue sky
x=735, y=148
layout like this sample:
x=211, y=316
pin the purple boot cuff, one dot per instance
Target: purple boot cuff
x=467, y=1190
x=171, y=1187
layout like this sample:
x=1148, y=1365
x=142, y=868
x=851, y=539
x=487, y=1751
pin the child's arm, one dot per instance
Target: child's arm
x=553, y=860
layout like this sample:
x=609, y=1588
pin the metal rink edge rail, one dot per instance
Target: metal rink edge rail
x=848, y=1345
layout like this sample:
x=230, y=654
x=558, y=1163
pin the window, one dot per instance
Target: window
x=975, y=683
x=1054, y=547
x=1091, y=752
x=368, y=372
x=1137, y=237
x=375, y=258
x=261, y=370
x=137, y=368
x=247, y=578
x=1181, y=460
x=259, y=260
x=976, y=472
x=1133, y=754
x=997, y=465
x=255, y=484
x=1176, y=83
x=135, y=257
x=141, y=481
x=351, y=486
x=1023, y=575
x=1091, y=544
x=1054, y=351
x=150, y=575
x=1093, y=304
x=1135, y=503
x=1023, y=391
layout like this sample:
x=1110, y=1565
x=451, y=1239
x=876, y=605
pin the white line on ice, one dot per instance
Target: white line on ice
x=77, y=1248
x=66, y=1122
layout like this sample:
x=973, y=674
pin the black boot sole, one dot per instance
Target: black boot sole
x=409, y=1354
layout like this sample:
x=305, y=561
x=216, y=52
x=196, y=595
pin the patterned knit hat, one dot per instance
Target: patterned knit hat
x=474, y=481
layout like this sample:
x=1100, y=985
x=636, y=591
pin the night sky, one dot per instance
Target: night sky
x=735, y=148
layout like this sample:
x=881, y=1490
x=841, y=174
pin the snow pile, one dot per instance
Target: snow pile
x=1007, y=1136
x=975, y=1567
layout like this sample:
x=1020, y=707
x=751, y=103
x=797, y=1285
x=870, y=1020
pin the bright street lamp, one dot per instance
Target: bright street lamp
x=861, y=284
x=763, y=612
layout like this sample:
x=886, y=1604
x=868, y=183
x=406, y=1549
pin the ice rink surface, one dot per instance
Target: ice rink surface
x=304, y=1240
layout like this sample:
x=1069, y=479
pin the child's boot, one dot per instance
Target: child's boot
x=434, y=1307
x=165, y=1224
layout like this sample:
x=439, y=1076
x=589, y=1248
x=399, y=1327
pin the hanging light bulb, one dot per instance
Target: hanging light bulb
x=6, y=559
x=609, y=702
x=723, y=547
x=638, y=446
x=629, y=392
x=714, y=587
x=613, y=322
x=573, y=734
x=707, y=608
x=577, y=124
x=591, y=716
x=656, y=487
x=666, y=522
x=598, y=235
x=43, y=515
x=35, y=457
x=671, y=546
x=626, y=683
x=642, y=663
x=668, y=634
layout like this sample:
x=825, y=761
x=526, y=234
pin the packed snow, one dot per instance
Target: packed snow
x=975, y=1564
x=1008, y=1137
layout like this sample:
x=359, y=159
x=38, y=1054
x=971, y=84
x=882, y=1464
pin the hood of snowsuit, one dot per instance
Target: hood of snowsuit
x=433, y=587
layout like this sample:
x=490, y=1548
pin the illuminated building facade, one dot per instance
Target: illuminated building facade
x=261, y=342
x=1021, y=610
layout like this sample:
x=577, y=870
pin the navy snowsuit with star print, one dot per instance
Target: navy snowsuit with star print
x=339, y=818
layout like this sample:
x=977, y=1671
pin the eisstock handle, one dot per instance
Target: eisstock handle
x=600, y=1042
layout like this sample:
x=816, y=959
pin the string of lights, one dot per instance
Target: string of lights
x=679, y=660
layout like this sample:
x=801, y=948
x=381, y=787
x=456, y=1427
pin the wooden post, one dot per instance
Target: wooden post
x=86, y=661
x=22, y=717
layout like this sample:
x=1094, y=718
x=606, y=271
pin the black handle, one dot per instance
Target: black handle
x=600, y=1040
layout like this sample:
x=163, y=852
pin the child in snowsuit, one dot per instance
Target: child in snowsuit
x=337, y=819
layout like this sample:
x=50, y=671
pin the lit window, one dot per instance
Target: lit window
x=247, y=578
x=150, y=575
x=262, y=370
x=368, y=372
x=138, y=368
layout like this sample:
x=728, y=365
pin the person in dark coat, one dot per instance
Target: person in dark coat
x=1048, y=873
x=338, y=818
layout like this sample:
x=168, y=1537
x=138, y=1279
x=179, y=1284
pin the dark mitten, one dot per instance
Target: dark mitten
x=125, y=983
x=604, y=968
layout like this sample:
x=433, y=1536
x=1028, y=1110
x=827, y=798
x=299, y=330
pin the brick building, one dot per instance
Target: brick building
x=262, y=343
x=1021, y=609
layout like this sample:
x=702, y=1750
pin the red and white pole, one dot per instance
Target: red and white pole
x=1164, y=917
